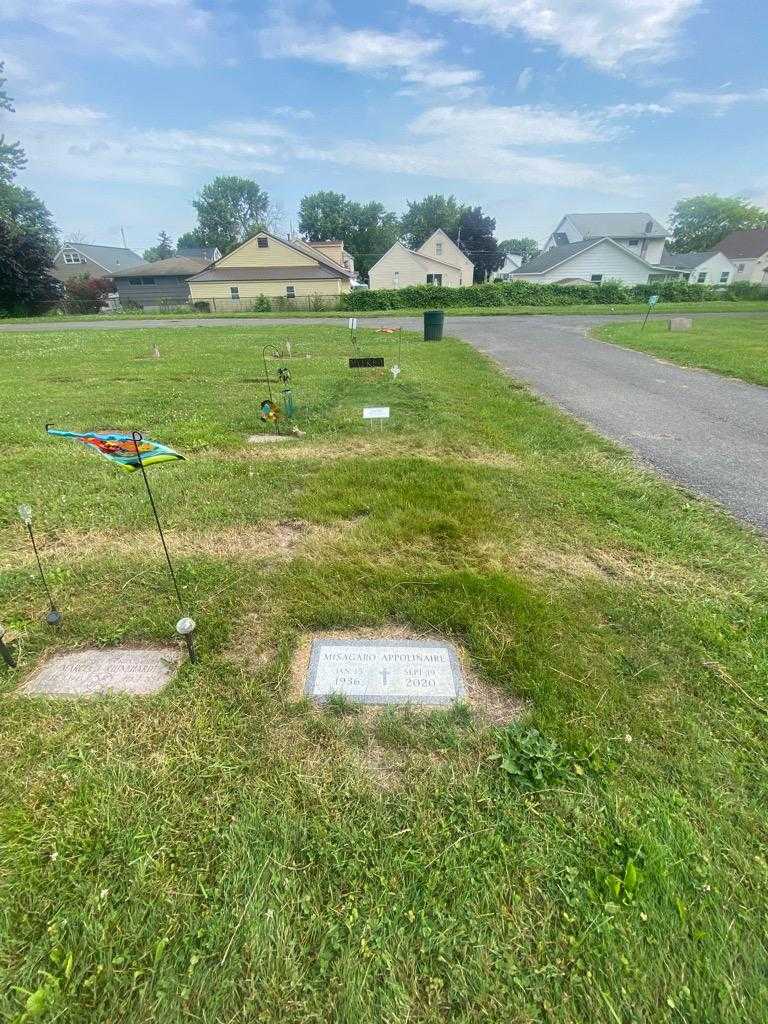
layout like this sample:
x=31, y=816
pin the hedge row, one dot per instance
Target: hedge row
x=526, y=293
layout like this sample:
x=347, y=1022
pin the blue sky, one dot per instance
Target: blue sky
x=531, y=108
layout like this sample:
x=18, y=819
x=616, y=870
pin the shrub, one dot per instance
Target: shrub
x=84, y=294
x=262, y=304
x=131, y=304
x=315, y=302
x=202, y=306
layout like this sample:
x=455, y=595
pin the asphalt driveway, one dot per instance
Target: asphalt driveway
x=704, y=432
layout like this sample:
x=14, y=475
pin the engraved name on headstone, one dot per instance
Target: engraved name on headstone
x=385, y=671
x=132, y=670
x=365, y=362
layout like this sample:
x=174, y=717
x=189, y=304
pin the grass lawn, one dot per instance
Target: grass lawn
x=222, y=853
x=585, y=309
x=736, y=348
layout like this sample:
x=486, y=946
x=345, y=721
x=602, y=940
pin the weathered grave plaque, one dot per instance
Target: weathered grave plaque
x=132, y=670
x=364, y=362
x=385, y=671
x=680, y=323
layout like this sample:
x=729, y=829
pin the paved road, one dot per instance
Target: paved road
x=705, y=432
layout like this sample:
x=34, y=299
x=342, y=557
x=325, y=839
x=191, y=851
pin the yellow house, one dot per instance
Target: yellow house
x=438, y=261
x=277, y=268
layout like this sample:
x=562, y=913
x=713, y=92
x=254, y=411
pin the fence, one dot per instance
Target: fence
x=267, y=304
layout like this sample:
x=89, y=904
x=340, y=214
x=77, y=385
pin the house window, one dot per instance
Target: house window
x=740, y=268
x=724, y=277
x=262, y=242
x=596, y=279
x=702, y=277
x=290, y=291
x=234, y=293
x=73, y=257
x=134, y=280
x=396, y=279
x=633, y=242
x=438, y=248
x=561, y=238
x=435, y=279
x=147, y=280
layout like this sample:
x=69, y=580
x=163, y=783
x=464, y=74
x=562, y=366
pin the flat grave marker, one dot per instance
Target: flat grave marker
x=365, y=362
x=385, y=671
x=133, y=670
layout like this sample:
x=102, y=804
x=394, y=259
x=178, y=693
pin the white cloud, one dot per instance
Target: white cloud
x=717, y=101
x=367, y=51
x=511, y=126
x=61, y=114
x=605, y=33
x=524, y=79
x=160, y=31
x=619, y=110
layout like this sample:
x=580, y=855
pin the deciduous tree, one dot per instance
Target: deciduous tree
x=12, y=157
x=525, y=248
x=699, y=223
x=367, y=229
x=230, y=210
x=476, y=239
x=25, y=261
x=426, y=215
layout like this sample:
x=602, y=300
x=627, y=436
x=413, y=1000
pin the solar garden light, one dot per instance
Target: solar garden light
x=53, y=616
x=186, y=628
x=5, y=652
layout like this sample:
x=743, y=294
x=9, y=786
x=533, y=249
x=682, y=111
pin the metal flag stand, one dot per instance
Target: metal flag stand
x=652, y=300
x=53, y=616
x=185, y=627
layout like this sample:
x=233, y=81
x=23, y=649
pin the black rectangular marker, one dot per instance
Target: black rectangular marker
x=366, y=361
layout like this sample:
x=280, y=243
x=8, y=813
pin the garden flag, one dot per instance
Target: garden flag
x=122, y=448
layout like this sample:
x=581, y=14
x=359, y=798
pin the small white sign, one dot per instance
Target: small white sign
x=376, y=412
x=353, y=323
x=652, y=300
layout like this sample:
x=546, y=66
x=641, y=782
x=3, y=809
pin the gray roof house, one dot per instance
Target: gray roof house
x=748, y=251
x=711, y=267
x=592, y=261
x=158, y=284
x=209, y=253
x=77, y=258
x=638, y=231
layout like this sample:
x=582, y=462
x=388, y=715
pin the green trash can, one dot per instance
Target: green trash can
x=433, y=324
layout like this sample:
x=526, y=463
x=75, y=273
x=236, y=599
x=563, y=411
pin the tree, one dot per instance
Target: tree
x=699, y=223
x=12, y=157
x=162, y=251
x=525, y=248
x=22, y=208
x=366, y=229
x=231, y=210
x=477, y=241
x=189, y=240
x=426, y=215
x=84, y=294
x=25, y=283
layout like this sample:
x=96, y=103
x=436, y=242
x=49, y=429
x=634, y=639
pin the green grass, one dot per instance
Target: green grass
x=733, y=347
x=222, y=853
x=581, y=309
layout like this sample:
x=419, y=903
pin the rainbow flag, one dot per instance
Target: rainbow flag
x=122, y=449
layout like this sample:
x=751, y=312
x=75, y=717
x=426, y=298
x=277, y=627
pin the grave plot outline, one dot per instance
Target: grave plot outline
x=441, y=700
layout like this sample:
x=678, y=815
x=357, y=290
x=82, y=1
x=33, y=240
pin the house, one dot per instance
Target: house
x=711, y=267
x=157, y=284
x=748, y=251
x=77, y=258
x=438, y=261
x=592, y=261
x=278, y=268
x=506, y=270
x=208, y=253
x=639, y=232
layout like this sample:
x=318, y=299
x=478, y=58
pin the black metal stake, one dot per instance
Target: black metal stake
x=275, y=355
x=53, y=618
x=136, y=438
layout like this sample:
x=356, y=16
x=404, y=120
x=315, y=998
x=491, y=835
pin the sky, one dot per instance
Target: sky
x=529, y=108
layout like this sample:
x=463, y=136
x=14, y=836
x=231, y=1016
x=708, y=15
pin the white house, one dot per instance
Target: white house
x=438, y=261
x=591, y=262
x=748, y=251
x=506, y=270
x=711, y=267
x=639, y=232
